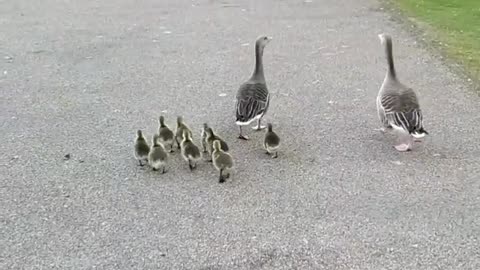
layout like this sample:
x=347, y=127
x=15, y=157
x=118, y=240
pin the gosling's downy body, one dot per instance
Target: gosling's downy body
x=141, y=148
x=190, y=152
x=181, y=126
x=253, y=98
x=211, y=137
x=204, y=137
x=222, y=161
x=158, y=156
x=397, y=105
x=271, y=142
x=165, y=134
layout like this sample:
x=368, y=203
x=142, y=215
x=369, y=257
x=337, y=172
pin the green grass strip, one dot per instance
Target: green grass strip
x=455, y=23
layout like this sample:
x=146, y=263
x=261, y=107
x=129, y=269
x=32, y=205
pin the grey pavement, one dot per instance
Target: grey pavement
x=80, y=77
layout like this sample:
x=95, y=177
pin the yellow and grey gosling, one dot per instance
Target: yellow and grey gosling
x=141, y=148
x=181, y=126
x=158, y=156
x=204, y=137
x=190, y=152
x=165, y=134
x=211, y=137
x=271, y=142
x=222, y=161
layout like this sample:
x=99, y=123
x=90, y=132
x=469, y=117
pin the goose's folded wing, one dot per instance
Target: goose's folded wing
x=249, y=108
x=402, y=110
x=252, y=100
x=409, y=121
x=399, y=102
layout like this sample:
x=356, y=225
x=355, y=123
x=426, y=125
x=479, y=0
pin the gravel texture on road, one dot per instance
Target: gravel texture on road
x=80, y=77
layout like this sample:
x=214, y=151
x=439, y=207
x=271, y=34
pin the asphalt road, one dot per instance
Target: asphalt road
x=80, y=77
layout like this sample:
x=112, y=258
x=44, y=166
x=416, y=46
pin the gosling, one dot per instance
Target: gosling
x=204, y=137
x=158, y=156
x=165, y=133
x=222, y=161
x=190, y=152
x=141, y=148
x=181, y=126
x=271, y=142
x=211, y=137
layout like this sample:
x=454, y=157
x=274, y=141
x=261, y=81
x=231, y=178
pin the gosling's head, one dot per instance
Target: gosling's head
x=161, y=120
x=139, y=134
x=155, y=139
x=216, y=145
x=209, y=131
x=179, y=120
x=269, y=127
x=205, y=126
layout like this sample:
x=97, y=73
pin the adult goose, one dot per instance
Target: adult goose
x=397, y=104
x=253, y=98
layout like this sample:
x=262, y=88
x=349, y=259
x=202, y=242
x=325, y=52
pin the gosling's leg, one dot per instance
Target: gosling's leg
x=190, y=165
x=178, y=143
x=221, y=179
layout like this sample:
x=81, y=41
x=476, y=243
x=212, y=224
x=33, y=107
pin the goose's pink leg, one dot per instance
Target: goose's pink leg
x=405, y=143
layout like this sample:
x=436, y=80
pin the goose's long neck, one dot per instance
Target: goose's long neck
x=258, y=71
x=388, y=51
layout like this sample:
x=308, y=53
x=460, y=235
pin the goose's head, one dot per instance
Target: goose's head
x=383, y=38
x=262, y=41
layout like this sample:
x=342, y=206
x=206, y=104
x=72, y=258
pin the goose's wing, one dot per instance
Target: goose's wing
x=252, y=100
x=402, y=111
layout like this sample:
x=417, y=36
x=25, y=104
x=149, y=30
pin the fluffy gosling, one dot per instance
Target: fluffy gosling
x=212, y=137
x=158, y=156
x=165, y=134
x=271, y=142
x=141, y=148
x=181, y=126
x=222, y=161
x=190, y=152
x=204, y=137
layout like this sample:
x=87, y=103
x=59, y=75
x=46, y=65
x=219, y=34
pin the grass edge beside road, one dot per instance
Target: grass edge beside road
x=460, y=46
